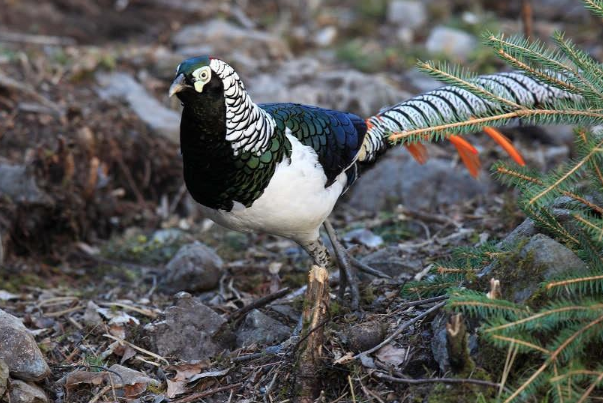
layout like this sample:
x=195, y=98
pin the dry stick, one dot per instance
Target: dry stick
x=258, y=304
x=309, y=356
x=389, y=378
x=16, y=37
x=401, y=329
x=367, y=269
x=527, y=18
x=196, y=396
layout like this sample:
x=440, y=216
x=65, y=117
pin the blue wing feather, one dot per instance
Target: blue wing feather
x=335, y=136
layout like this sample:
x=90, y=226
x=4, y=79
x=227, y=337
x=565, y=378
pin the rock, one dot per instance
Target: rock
x=364, y=336
x=451, y=42
x=259, y=328
x=19, y=350
x=364, y=237
x=18, y=183
x=188, y=331
x=325, y=37
x=422, y=186
x=231, y=42
x=91, y=316
x=421, y=81
x=541, y=259
x=407, y=13
x=161, y=120
x=523, y=231
x=309, y=82
x=3, y=377
x=22, y=392
x=393, y=262
x=195, y=267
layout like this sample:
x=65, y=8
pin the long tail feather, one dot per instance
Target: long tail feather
x=453, y=103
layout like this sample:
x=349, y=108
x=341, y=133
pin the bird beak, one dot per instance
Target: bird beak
x=178, y=85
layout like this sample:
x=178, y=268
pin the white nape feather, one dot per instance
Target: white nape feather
x=294, y=204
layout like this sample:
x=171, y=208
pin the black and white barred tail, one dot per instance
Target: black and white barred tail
x=448, y=104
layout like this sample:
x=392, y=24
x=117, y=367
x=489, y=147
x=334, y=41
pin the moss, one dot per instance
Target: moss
x=453, y=393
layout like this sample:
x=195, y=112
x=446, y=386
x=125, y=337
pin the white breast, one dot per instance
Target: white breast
x=294, y=204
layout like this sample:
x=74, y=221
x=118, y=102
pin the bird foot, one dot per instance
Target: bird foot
x=347, y=274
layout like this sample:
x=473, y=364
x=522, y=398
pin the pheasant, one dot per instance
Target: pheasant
x=280, y=168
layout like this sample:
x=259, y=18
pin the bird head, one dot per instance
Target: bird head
x=195, y=79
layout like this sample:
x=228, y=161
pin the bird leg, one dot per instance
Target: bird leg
x=320, y=255
x=345, y=268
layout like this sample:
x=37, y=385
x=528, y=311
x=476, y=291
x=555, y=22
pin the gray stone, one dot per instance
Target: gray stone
x=19, y=350
x=195, y=267
x=22, y=392
x=451, y=42
x=162, y=120
x=393, y=262
x=231, y=42
x=259, y=328
x=326, y=36
x=188, y=331
x=523, y=231
x=548, y=259
x=3, y=377
x=420, y=187
x=18, y=183
x=364, y=237
x=364, y=336
x=407, y=13
x=310, y=82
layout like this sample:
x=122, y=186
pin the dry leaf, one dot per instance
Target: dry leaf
x=392, y=355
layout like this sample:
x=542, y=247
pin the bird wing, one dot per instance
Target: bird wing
x=335, y=136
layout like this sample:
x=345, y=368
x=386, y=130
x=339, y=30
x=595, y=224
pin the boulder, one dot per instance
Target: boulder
x=18, y=349
x=393, y=262
x=195, y=267
x=259, y=328
x=22, y=392
x=160, y=119
x=188, y=331
x=309, y=82
x=452, y=43
x=407, y=13
x=248, y=47
x=398, y=179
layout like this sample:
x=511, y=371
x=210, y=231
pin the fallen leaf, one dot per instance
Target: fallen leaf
x=85, y=378
x=209, y=374
x=175, y=388
x=392, y=355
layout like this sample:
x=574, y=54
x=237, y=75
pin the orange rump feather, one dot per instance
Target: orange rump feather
x=505, y=143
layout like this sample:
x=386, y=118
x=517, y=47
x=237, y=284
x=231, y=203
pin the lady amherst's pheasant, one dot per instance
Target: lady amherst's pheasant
x=280, y=168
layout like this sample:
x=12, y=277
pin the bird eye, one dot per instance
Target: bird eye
x=204, y=75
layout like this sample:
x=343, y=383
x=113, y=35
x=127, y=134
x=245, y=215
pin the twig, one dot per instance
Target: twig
x=196, y=396
x=309, y=357
x=527, y=18
x=100, y=394
x=394, y=379
x=401, y=329
x=142, y=311
x=135, y=347
x=258, y=303
x=17, y=37
x=367, y=269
